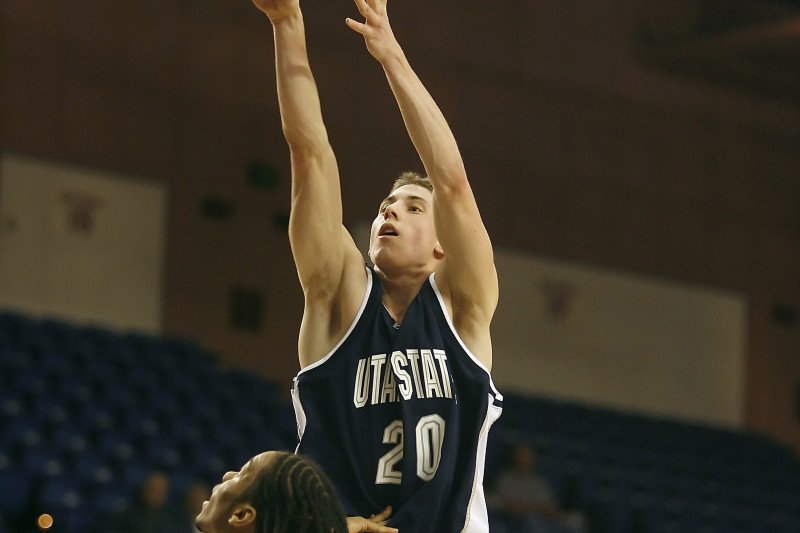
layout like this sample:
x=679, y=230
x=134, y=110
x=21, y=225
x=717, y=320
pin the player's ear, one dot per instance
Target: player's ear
x=243, y=515
x=438, y=251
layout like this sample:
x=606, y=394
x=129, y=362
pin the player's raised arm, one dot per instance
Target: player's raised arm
x=320, y=244
x=315, y=227
x=467, y=270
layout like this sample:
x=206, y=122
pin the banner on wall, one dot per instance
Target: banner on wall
x=81, y=244
x=76, y=212
x=619, y=339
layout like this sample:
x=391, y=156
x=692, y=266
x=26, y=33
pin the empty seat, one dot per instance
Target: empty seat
x=59, y=495
x=112, y=501
x=16, y=493
x=93, y=471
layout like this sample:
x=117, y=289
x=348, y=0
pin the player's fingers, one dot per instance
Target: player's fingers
x=384, y=515
x=356, y=26
x=381, y=7
x=377, y=528
x=363, y=6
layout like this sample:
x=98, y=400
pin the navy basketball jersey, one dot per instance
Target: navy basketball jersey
x=399, y=415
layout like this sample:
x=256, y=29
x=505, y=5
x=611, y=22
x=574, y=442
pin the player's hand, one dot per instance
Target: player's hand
x=276, y=9
x=375, y=523
x=375, y=28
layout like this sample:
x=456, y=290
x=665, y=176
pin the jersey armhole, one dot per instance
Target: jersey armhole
x=471, y=355
x=353, y=324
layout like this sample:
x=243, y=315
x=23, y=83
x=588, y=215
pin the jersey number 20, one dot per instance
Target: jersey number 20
x=429, y=436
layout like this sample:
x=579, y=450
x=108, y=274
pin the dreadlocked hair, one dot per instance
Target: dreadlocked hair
x=293, y=495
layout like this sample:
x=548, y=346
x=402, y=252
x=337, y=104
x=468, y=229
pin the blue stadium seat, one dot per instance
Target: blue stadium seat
x=21, y=434
x=43, y=462
x=185, y=434
x=133, y=473
x=11, y=409
x=96, y=420
x=17, y=330
x=94, y=472
x=12, y=362
x=163, y=453
x=60, y=495
x=16, y=493
x=208, y=464
x=112, y=501
x=71, y=441
x=81, y=520
x=116, y=450
x=109, y=407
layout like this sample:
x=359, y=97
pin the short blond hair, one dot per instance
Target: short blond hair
x=410, y=177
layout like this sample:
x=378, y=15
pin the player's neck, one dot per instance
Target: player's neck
x=399, y=293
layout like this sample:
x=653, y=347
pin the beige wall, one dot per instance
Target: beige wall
x=81, y=245
x=619, y=340
x=576, y=149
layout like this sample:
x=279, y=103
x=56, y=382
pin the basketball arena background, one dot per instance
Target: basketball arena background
x=637, y=165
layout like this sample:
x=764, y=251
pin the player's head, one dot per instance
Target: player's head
x=523, y=458
x=409, y=177
x=403, y=235
x=274, y=492
x=155, y=489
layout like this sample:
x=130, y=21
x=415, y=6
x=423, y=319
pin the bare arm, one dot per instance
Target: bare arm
x=467, y=271
x=320, y=244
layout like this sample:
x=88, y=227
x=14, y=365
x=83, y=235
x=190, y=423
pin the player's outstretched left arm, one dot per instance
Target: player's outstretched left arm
x=467, y=272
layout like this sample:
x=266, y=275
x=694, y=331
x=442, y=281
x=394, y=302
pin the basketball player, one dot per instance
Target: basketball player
x=279, y=492
x=394, y=398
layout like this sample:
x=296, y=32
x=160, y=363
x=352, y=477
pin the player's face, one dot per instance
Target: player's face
x=403, y=233
x=218, y=511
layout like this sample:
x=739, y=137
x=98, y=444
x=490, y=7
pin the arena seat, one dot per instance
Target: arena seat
x=646, y=474
x=107, y=407
x=60, y=496
x=16, y=493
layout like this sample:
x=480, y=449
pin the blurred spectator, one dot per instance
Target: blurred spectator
x=193, y=499
x=150, y=512
x=524, y=501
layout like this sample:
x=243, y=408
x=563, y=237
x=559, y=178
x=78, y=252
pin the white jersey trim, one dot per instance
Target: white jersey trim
x=350, y=329
x=458, y=337
x=477, y=519
x=299, y=414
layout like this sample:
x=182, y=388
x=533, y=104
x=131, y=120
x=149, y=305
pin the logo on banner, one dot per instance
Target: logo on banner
x=557, y=298
x=79, y=212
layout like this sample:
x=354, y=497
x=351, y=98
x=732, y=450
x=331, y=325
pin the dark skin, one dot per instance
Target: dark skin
x=221, y=515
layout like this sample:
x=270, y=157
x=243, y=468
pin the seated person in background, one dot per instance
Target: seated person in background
x=193, y=499
x=150, y=512
x=525, y=499
x=280, y=492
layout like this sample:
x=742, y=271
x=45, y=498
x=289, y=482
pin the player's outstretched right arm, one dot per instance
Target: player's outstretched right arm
x=466, y=275
x=320, y=244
